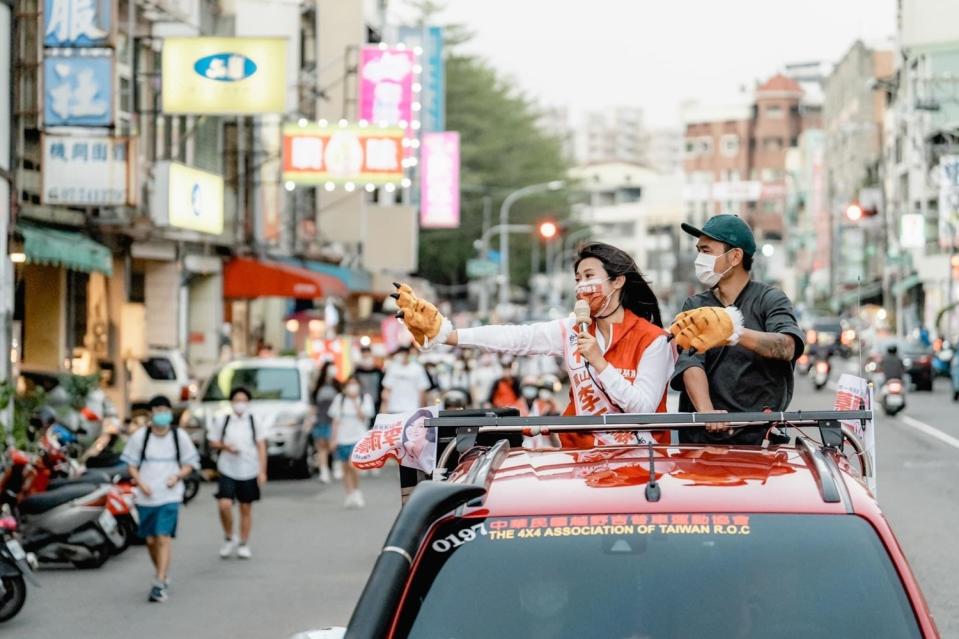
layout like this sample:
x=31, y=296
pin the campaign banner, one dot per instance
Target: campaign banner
x=315, y=154
x=399, y=436
x=440, y=180
x=855, y=393
x=386, y=78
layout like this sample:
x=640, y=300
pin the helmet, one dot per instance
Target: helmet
x=892, y=349
x=551, y=383
x=456, y=399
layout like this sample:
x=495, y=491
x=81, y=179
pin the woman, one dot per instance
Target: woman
x=325, y=391
x=351, y=412
x=621, y=362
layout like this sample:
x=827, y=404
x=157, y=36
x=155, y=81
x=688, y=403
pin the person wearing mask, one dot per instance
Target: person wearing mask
x=545, y=399
x=740, y=336
x=326, y=389
x=620, y=362
x=529, y=392
x=370, y=376
x=892, y=366
x=506, y=390
x=459, y=376
x=350, y=412
x=483, y=374
x=405, y=383
x=160, y=456
x=241, y=465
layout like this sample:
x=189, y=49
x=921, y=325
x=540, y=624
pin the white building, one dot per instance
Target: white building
x=638, y=210
x=612, y=134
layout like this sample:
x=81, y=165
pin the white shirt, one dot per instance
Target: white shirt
x=653, y=371
x=245, y=462
x=159, y=464
x=350, y=428
x=405, y=383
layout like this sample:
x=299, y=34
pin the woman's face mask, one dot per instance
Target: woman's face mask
x=592, y=290
x=240, y=406
x=705, y=266
x=530, y=392
x=353, y=390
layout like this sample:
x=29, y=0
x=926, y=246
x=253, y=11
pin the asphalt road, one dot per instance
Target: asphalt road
x=312, y=557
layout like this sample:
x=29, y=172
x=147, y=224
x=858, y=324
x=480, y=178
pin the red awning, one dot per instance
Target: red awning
x=245, y=278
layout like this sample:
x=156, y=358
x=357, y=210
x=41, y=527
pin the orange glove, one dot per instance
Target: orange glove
x=424, y=321
x=707, y=327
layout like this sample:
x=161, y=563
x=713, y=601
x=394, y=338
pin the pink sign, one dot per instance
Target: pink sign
x=440, y=180
x=386, y=85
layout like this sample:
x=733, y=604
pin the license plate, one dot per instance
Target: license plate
x=107, y=521
x=16, y=550
x=894, y=400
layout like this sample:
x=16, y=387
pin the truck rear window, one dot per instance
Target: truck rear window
x=657, y=576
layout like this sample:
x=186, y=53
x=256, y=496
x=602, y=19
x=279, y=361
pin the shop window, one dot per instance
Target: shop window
x=774, y=112
x=729, y=144
x=138, y=285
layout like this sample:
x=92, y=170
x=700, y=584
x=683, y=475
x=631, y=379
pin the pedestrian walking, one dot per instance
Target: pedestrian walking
x=241, y=465
x=326, y=389
x=405, y=383
x=370, y=375
x=350, y=413
x=160, y=457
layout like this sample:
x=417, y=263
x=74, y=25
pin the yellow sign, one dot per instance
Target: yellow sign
x=195, y=199
x=224, y=75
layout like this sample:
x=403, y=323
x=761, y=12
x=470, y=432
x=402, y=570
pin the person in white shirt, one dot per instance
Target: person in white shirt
x=351, y=412
x=405, y=384
x=160, y=457
x=241, y=465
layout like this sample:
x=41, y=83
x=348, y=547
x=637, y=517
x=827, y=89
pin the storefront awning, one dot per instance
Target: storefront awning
x=68, y=249
x=356, y=280
x=246, y=278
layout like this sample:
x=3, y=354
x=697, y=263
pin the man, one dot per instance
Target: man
x=892, y=366
x=370, y=376
x=405, y=383
x=753, y=370
x=241, y=465
x=160, y=457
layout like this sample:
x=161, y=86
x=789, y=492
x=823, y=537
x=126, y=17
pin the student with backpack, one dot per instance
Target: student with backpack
x=241, y=464
x=351, y=412
x=160, y=457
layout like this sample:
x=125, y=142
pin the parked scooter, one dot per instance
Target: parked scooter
x=892, y=396
x=15, y=569
x=70, y=524
x=820, y=374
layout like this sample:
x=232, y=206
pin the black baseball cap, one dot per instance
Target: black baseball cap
x=729, y=229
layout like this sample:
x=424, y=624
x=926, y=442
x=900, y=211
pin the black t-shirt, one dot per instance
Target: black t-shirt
x=740, y=380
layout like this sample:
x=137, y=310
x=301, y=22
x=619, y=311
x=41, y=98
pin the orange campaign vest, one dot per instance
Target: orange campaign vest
x=631, y=338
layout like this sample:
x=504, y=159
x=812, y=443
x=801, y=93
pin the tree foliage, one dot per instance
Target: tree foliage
x=502, y=149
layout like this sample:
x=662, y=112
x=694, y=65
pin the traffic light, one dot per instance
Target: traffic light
x=547, y=230
x=856, y=211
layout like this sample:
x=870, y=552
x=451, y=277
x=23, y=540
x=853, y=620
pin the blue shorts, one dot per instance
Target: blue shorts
x=344, y=452
x=321, y=431
x=158, y=521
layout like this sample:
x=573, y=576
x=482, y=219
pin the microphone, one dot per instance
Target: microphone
x=581, y=313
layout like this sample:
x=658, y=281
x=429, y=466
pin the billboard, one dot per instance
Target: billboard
x=226, y=76
x=188, y=198
x=86, y=171
x=315, y=154
x=78, y=89
x=433, y=78
x=386, y=85
x=78, y=23
x=948, y=201
x=440, y=180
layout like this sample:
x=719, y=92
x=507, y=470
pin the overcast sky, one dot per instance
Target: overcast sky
x=658, y=53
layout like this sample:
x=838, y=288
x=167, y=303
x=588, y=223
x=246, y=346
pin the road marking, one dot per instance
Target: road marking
x=923, y=427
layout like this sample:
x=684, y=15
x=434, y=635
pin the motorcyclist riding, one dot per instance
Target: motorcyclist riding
x=892, y=366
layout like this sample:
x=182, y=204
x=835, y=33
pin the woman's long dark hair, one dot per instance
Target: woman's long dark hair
x=636, y=295
x=327, y=374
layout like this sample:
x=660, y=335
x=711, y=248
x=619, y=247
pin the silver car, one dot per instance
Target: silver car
x=281, y=406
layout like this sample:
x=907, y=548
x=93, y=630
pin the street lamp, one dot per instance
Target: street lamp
x=555, y=185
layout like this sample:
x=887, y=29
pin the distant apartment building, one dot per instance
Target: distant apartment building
x=663, y=150
x=605, y=135
x=735, y=160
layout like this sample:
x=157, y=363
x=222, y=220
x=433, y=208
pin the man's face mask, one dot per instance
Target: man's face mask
x=705, y=266
x=162, y=419
x=592, y=291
